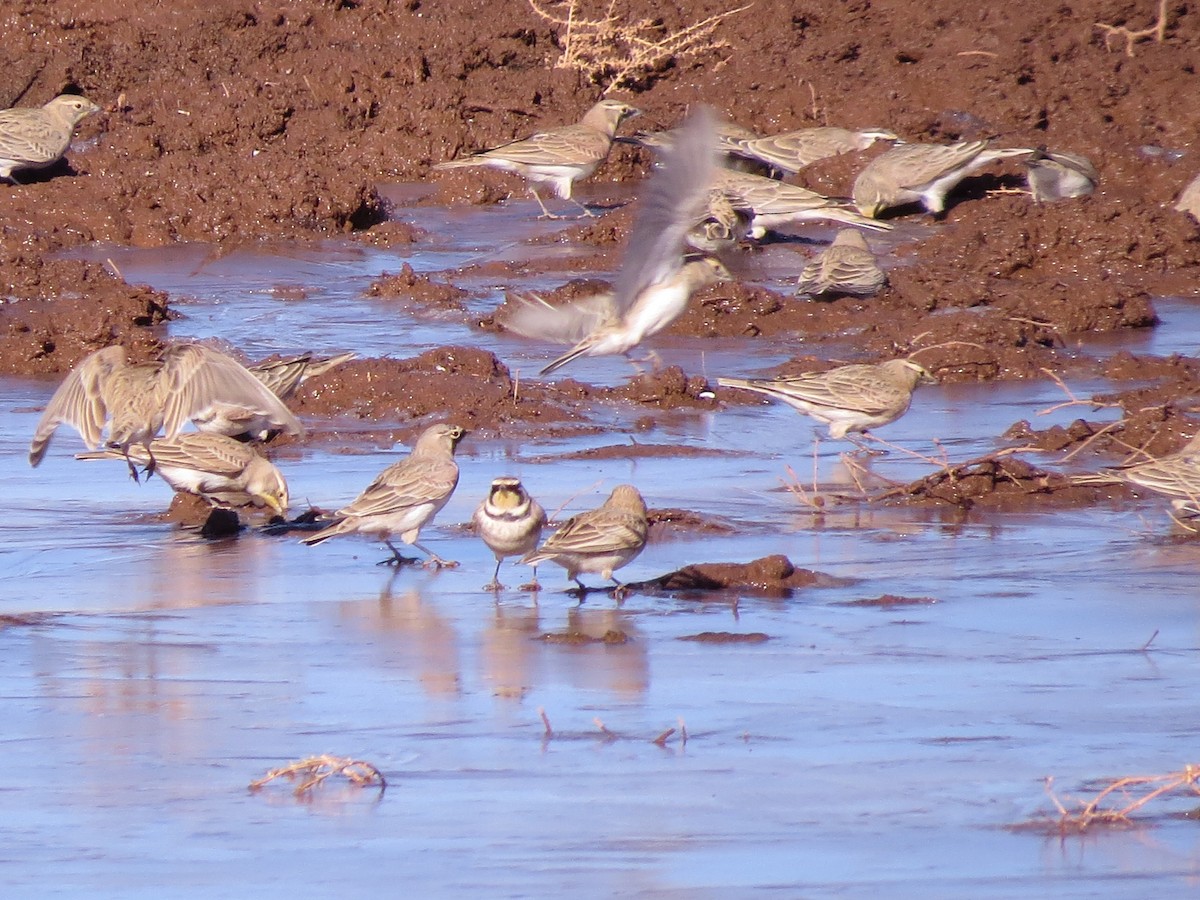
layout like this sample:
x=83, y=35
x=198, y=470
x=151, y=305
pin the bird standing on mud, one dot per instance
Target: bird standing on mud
x=924, y=173
x=137, y=401
x=656, y=281
x=404, y=497
x=558, y=157
x=847, y=266
x=600, y=540
x=37, y=138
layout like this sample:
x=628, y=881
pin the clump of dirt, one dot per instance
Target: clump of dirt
x=727, y=637
x=411, y=287
x=48, y=335
x=995, y=482
x=769, y=576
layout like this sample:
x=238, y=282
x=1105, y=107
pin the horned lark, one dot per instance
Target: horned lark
x=510, y=523
x=37, y=138
x=725, y=227
x=655, y=282
x=558, y=157
x=223, y=471
x=847, y=266
x=600, y=540
x=924, y=173
x=1059, y=175
x=283, y=376
x=404, y=497
x=792, y=151
x=848, y=398
x=775, y=203
x=1176, y=475
x=140, y=400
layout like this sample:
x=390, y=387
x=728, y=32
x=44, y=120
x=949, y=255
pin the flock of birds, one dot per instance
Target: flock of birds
x=699, y=202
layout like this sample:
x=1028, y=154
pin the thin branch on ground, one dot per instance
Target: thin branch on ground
x=621, y=54
x=314, y=770
x=1158, y=31
x=1135, y=791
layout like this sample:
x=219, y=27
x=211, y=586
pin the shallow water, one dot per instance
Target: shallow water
x=148, y=676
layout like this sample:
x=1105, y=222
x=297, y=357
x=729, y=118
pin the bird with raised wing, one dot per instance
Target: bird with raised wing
x=135, y=402
x=655, y=281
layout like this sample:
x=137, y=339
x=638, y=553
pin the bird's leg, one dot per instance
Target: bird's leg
x=533, y=585
x=396, y=560
x=150, y=466
x=581, y=591
x=619, y=592
x=434, y=560
x=494, y=585
x=546, y=214
x=133, y=470
x=587, y=212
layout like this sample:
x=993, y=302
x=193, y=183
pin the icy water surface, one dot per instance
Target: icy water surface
x=834, y=747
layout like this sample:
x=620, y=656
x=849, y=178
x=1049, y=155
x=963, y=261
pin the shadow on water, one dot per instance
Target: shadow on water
x=149, y=676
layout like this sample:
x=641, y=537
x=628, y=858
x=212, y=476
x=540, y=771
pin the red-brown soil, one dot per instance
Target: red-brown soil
x=231, y=121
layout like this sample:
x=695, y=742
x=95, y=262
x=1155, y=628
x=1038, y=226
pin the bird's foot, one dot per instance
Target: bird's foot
x=397, y=561
x=494, y=586
x=436, y=562
x=534, y=586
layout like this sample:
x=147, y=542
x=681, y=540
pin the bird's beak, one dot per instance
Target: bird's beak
x=271, y=501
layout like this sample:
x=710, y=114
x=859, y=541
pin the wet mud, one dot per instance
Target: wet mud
x=907, y=645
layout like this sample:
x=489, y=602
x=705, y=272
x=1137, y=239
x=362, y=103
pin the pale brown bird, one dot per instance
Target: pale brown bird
x=510, y=523
x=792, y=151
x=600, y=540
x=225, y=472
x=404, y=497
x=1176, y=475
x=656, y=281
x=776, y=203
x=1059, y=175
x=849, y=398
x=558, y=157
x=136, y=402
x=37, y=137
x=847, y=266
x=922, y=173
x=283, y=376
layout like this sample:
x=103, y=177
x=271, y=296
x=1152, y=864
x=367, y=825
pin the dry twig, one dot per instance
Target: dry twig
x=1158, y=31
x=1137, y=791
x=313, y=770
x=621, y=54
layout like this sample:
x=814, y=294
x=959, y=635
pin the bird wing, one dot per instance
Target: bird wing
x=916, y=165
x=566, y=323
x=199, y=377
x=857, y=387
x=405, y=484
x=598, y=531
x=78, y=401
x=676, y=199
